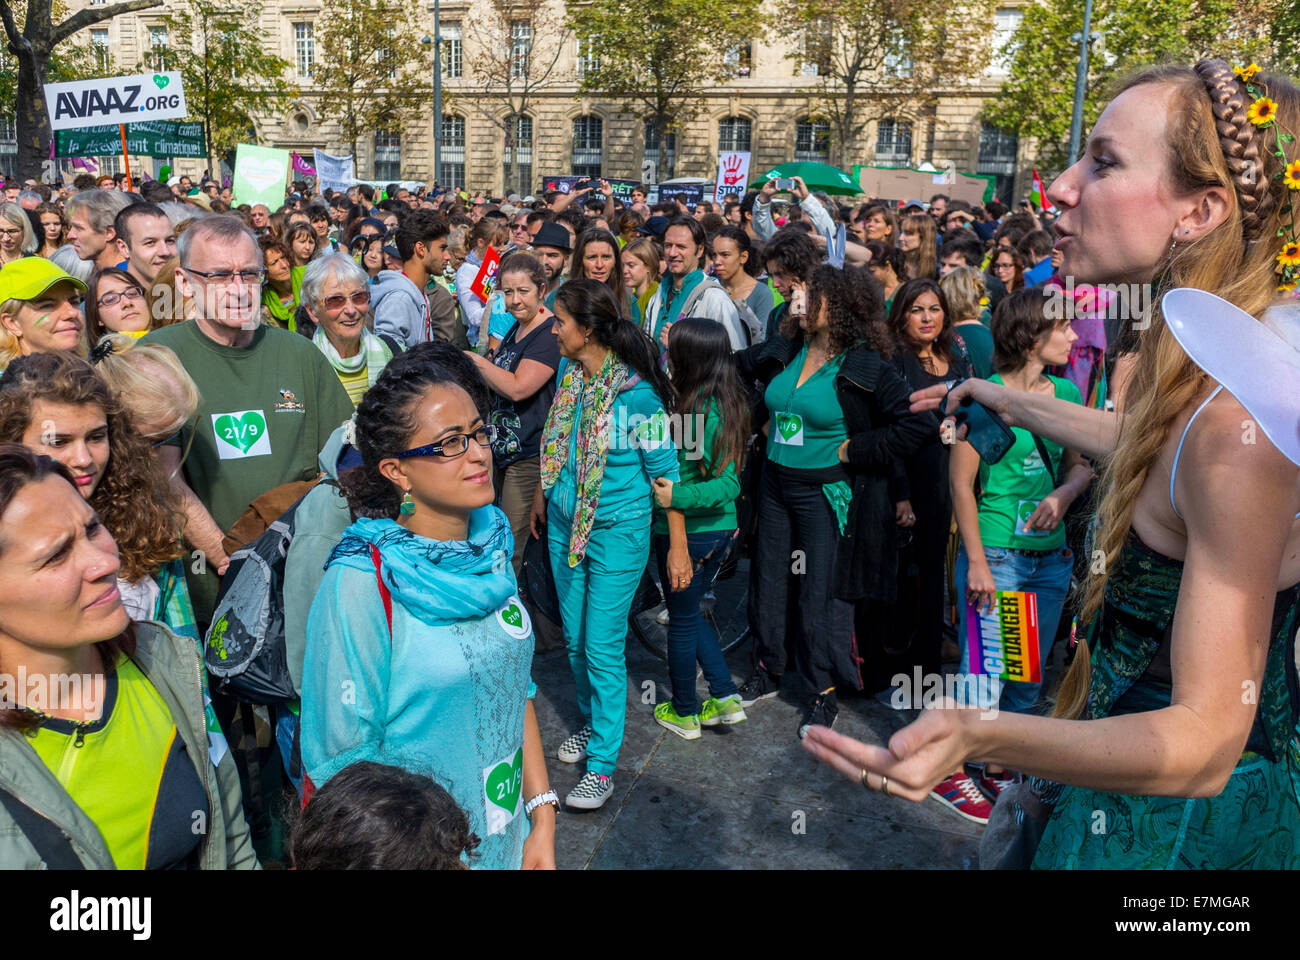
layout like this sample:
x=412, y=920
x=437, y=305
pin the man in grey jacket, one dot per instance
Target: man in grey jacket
x=403, y=310
x=686, y=291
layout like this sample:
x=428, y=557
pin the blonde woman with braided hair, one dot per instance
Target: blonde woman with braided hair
x=1175, y=723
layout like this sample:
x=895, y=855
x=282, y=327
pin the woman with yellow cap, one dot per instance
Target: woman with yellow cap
x=40, y=310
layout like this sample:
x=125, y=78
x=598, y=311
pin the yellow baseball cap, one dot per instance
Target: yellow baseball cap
x=29, y=277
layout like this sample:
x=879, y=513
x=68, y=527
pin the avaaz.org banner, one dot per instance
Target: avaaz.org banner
x=93, y=103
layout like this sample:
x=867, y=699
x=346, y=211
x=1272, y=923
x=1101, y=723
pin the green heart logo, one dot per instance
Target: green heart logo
x=506, y=781
x=513, y=615
x=788, y=425
x=160, y=81
x=241, y=432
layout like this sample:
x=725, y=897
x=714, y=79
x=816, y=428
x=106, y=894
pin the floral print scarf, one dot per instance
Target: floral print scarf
x=596, y=400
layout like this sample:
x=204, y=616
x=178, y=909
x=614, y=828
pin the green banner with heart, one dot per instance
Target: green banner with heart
x=260, y=175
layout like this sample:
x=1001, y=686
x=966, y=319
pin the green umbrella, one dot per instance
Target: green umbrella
x=818, y=176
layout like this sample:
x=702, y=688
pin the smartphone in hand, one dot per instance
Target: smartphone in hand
x=986, y=431
x=783, y=183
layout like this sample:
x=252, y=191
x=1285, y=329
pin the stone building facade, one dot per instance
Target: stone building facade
x=767, y=108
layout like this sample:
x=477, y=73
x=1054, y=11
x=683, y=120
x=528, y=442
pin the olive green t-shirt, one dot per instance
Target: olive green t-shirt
x=265, y=412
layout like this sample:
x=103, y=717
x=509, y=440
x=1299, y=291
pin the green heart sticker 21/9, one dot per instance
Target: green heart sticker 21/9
x=241, y=433
x=790, y=426
x=503, y=784
x=161, y=81
x=514, y=619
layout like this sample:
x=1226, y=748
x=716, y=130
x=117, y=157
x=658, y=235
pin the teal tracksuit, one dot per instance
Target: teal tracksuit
x=596, y=595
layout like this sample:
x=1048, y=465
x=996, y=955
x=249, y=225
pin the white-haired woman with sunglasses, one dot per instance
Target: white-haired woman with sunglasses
x=336, y=295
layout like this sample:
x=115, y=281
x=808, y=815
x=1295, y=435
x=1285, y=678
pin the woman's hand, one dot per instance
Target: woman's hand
x=537, y=516
x=539, y=848
x=918, y=758
x=903, y=514
x=766, y=192
x=663, y=488
x=800, y=190
x=606, y=188
x=679, y=569
x=663, y=335
x=842, y=452
x=1049, y=513
x=980, y=588
x=996, y=397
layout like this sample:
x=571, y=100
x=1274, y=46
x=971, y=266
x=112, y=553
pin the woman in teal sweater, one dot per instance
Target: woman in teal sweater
x=418, y=647
x=712, y=427
x=606, y=438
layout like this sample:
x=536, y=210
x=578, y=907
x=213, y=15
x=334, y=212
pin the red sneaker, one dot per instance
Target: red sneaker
x=962, y=795
x=993, y=787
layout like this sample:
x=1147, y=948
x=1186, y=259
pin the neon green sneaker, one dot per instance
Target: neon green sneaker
x=726, y=710
x=688, y=728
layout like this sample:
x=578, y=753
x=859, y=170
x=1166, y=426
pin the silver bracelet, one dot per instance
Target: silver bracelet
x=550, y=796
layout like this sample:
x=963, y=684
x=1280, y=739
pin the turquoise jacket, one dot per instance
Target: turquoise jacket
x=445, y=693
x=640, y=449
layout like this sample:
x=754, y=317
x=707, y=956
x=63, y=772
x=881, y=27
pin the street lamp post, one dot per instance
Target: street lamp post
x=1085, y=40
x=437, y=89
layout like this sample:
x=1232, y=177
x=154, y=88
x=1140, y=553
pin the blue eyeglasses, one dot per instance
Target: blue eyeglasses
x=453, y=446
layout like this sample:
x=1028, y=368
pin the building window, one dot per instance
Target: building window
x=304, y=46
x=385, y=62
x=740, y=59
x=519, y=155
x=158, y=60
x=388, y=155
x=734, y=134
x=812, y=141
x=893, y=143
x=817, y=44
x=99, y=47
x=8, y=146
x=451, y=167
x=451, y=52
x=1006, y=21
x=998, y=152
x=665, y=161
x=897, y=61
x=587, y=62
x=521, y=43
x=588, y=138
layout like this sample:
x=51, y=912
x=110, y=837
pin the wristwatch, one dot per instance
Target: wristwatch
x=550, y=796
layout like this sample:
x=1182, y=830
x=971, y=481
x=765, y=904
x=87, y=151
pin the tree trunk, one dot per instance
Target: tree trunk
x=33, y=120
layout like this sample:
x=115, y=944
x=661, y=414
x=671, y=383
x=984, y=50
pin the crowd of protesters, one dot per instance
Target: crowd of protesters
x=410, y=395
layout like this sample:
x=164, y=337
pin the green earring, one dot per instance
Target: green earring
x=408, y=504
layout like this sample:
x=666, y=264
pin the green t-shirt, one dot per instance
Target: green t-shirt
x=979, y=347
x=265, y=412
x=1015, y=484
x=806, y=422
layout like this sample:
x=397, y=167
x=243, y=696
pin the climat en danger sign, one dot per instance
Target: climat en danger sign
x=92, y=103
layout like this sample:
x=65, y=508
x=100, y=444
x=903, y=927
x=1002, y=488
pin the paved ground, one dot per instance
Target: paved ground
x=746, y=796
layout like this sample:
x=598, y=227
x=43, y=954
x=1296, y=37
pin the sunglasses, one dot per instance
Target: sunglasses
x=454, y=445
x=337, y=301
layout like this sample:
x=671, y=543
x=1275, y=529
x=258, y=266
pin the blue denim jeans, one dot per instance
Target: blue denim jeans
x=690, y=638
x=1047, y=576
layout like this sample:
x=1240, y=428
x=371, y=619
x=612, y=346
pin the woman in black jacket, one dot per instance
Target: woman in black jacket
x=925, y=353
x=837, y=419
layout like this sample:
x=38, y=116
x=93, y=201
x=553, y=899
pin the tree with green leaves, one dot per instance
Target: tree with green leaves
x=877, y=59
x=1037, y=97
x=660, y=57
x=371, y=68
x=516, y=44
x=228, y=74
x=39, y=38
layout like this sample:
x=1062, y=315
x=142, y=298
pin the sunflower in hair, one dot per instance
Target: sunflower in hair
x=1291, y=176
x=1262, y=112
x=1247, y=73
x=1290, y=254
x=1286, y=286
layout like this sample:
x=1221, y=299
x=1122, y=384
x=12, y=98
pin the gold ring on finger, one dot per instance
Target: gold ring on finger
x=884, y=785
x=864, y=778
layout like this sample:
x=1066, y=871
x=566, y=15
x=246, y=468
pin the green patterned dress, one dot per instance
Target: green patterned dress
x=1255, y=821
